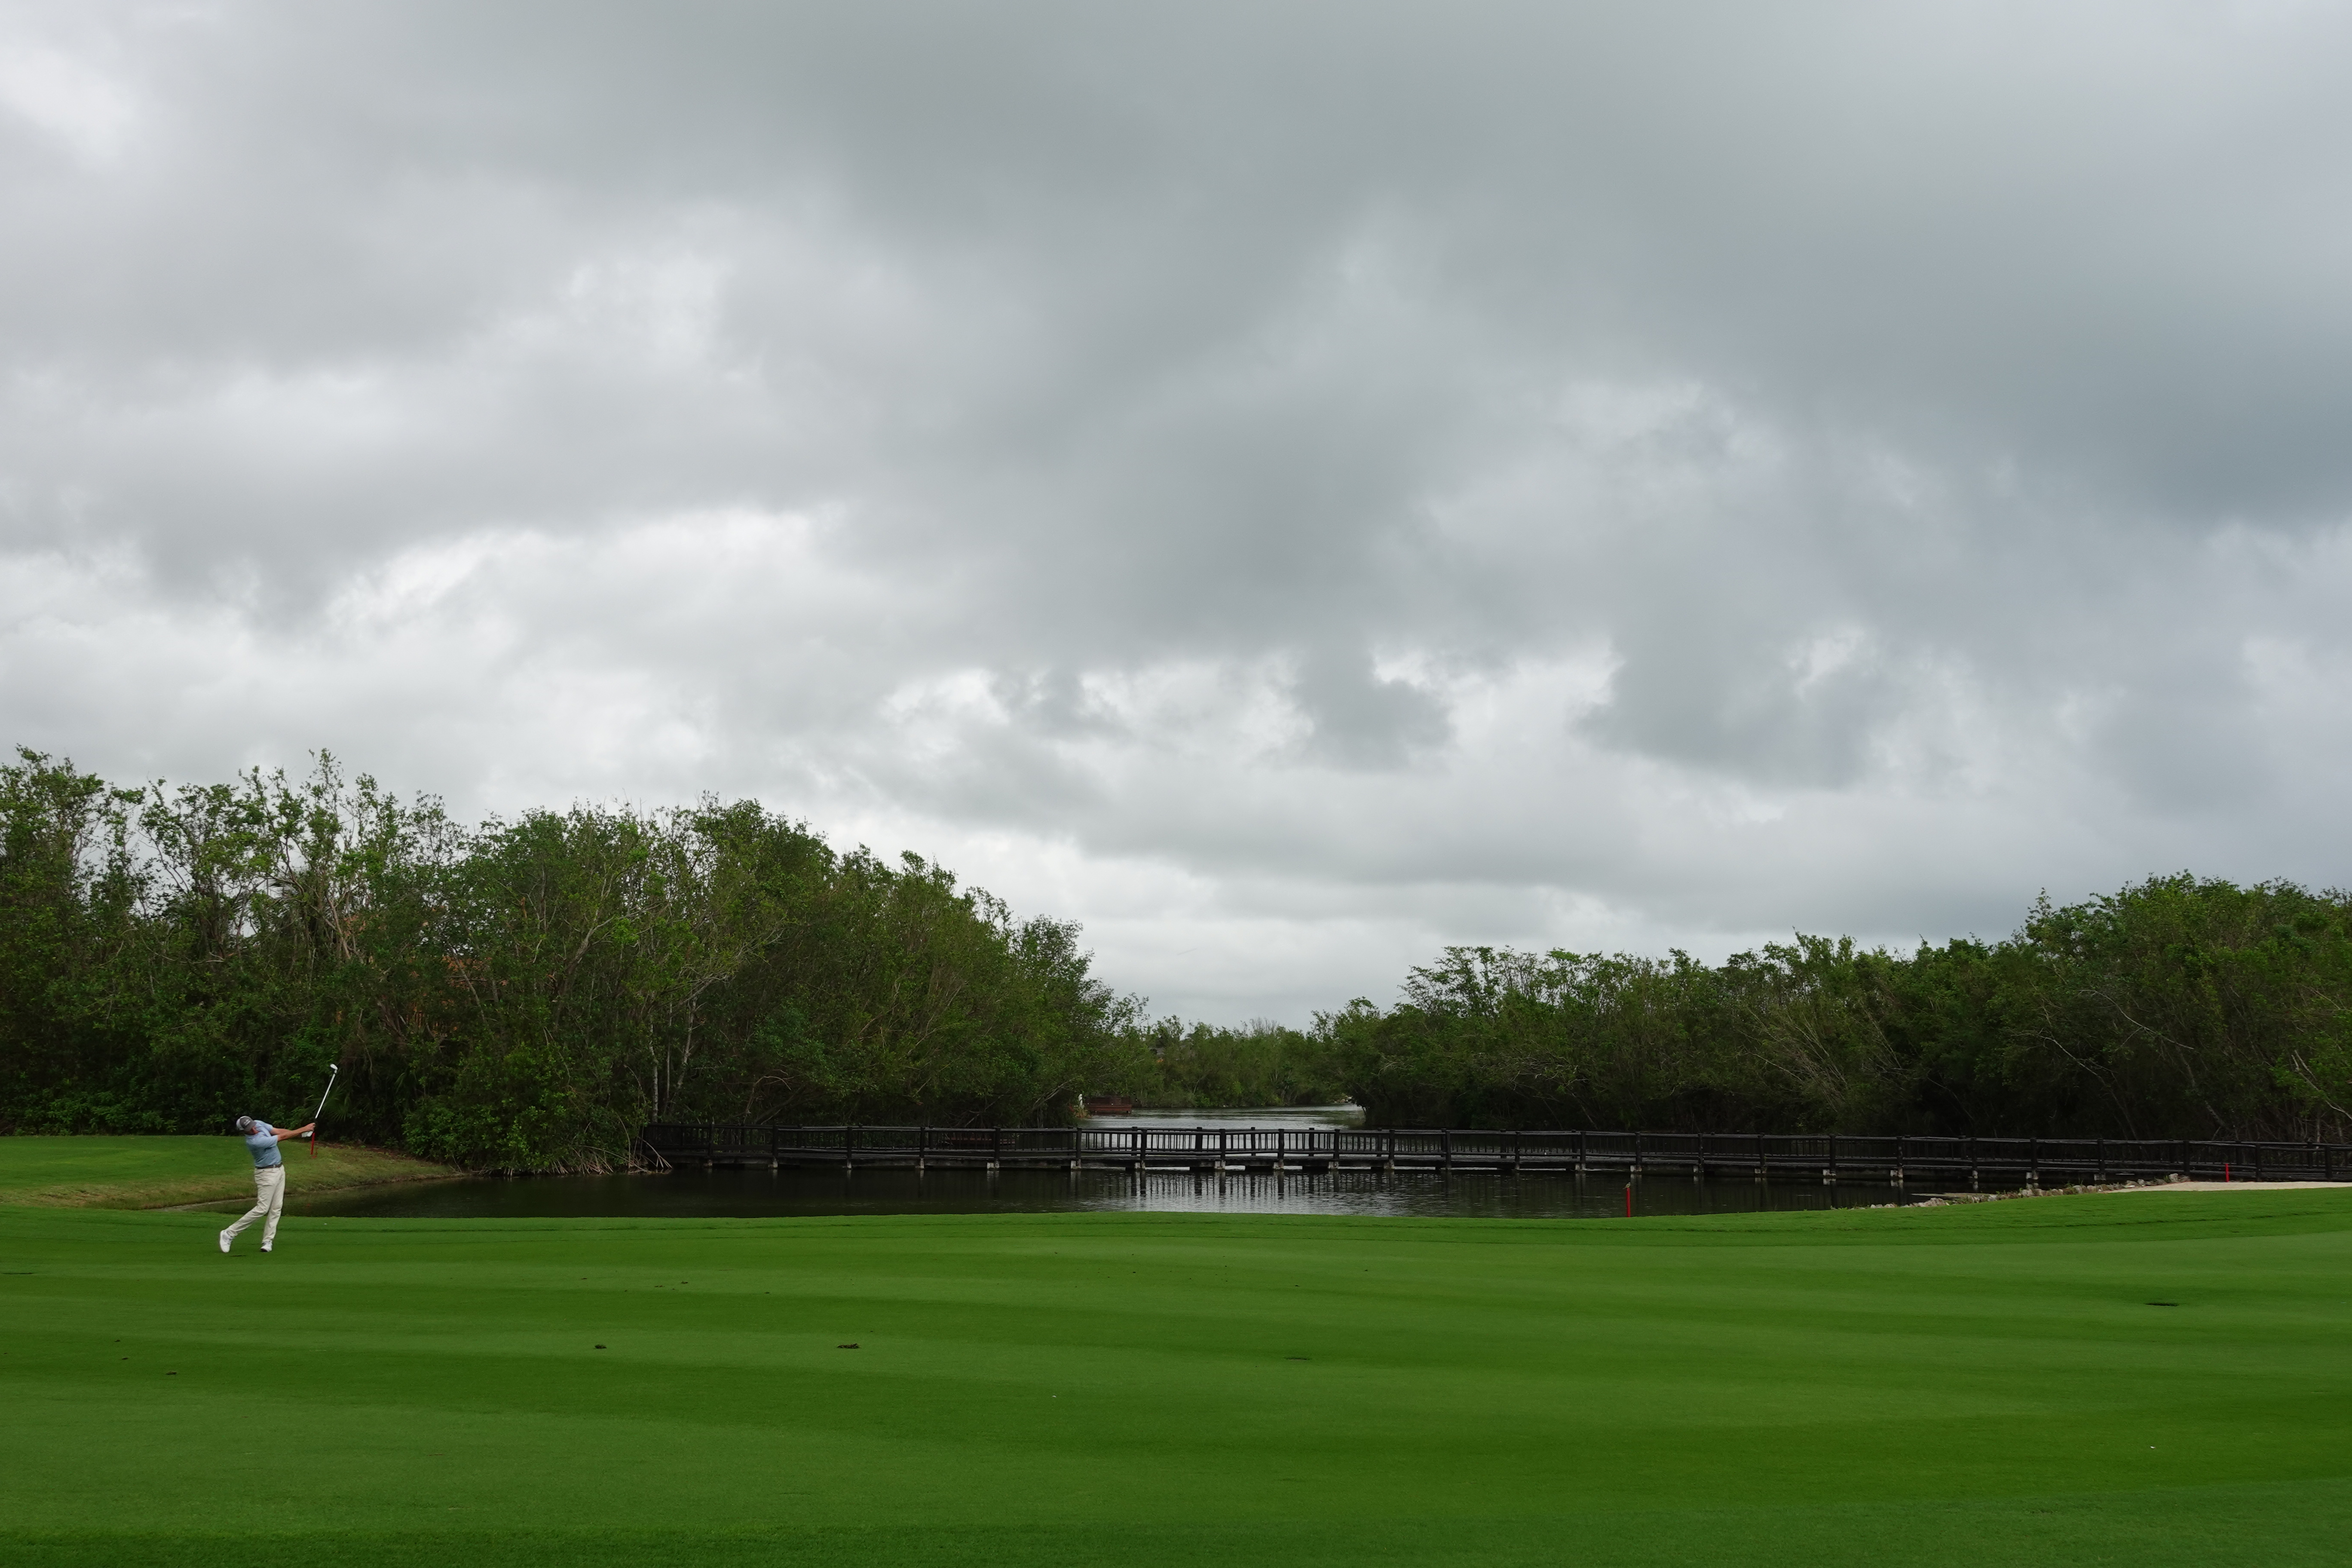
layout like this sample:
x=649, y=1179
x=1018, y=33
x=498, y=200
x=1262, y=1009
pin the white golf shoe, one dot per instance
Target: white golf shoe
x=224, y=1241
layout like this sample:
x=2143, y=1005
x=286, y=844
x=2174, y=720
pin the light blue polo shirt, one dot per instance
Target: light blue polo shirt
x=263, y=1142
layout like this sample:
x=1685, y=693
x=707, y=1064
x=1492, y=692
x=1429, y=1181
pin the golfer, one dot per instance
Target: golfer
x=268, y=1179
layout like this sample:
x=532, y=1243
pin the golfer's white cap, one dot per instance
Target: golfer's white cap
x=245, y=1124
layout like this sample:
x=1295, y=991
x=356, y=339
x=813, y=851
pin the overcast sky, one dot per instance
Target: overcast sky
x=1289, y=486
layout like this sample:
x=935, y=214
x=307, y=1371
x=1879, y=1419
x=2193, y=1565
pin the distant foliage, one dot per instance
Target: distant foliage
x=526, y=993
x=1260, y=1063
x=2180, y=1008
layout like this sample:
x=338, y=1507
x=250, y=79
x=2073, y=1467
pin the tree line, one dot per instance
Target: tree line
x=527, y=993
x=523, y=994
x=2180, y=1008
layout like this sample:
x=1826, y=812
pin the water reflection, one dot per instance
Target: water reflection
x=830, y=1191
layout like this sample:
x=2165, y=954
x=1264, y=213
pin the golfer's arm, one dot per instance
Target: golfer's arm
x=284, y=1133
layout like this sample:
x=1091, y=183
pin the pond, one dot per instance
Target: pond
x=828, y=1190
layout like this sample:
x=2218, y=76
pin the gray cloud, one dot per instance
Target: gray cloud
x=1287, y=485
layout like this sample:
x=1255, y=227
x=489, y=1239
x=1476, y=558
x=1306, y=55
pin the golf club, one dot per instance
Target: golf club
x=311, y=1137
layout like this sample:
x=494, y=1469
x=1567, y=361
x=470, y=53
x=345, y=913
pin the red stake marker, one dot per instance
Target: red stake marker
x=1629, y=1200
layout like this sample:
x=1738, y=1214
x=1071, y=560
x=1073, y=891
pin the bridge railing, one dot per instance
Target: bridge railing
x=1765, y=1153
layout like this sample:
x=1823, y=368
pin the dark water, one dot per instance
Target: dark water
x=828, y=1190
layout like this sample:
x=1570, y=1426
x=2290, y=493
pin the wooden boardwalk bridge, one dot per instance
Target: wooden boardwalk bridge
x=1931, y=1162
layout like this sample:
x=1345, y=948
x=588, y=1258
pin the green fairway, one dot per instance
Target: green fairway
x=1973, y=1385
x=150, y=1173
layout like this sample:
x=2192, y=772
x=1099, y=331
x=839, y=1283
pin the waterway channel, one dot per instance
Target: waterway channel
x=830, y=1191
x=702, y=1195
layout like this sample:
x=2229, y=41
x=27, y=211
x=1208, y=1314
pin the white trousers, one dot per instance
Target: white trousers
x=269, y=1197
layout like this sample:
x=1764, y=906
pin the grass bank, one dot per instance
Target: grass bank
x=1989, y=1385
x=161, y=1172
